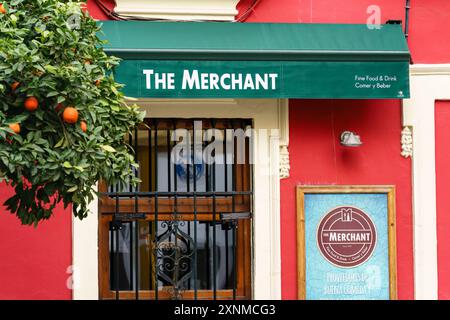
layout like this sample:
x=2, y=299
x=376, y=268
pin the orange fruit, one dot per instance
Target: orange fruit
x=15, y=85
x=31, y=104
x=70, y=115
x=83, y=126
x=2, y=9
x=15, y=127
x=97, y=82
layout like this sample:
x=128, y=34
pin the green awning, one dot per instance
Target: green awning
x=259, y=60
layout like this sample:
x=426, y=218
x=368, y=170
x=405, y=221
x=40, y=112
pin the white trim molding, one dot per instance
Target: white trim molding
x=85, y=256
x=266, y=250
x=218, y=10
x=428, y=84
x=407, y=142
x=283, y=125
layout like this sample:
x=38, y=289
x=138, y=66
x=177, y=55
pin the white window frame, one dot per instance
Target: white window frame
x=221, y=10
x=267, y=114
x=429, y=82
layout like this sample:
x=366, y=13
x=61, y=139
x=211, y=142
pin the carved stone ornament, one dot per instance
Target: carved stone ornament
x=407, y=142
x=285, y=166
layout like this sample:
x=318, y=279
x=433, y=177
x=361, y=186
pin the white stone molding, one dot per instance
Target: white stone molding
x=283, y=125
x=266, y=250
x=407, y=142
x=428, y=84
x=85, y=255
x=221, y=10
x=285, y=164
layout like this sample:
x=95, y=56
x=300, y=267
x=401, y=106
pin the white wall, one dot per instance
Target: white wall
x=222, y=10
x=428, y=84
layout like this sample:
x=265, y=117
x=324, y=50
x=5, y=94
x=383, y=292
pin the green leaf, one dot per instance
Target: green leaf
x=73, y=189
x=67, y=164
x=52, y=94
x=108, y=148
x=60, y=142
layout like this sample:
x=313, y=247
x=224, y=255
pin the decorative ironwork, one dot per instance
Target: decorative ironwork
x=174, y=251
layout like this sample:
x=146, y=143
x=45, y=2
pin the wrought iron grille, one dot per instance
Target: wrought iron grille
x=185, y=231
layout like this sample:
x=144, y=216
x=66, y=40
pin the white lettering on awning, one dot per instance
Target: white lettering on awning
x=195, y=80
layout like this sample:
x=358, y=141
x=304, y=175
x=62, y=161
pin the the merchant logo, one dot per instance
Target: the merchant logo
x=346, y=237
x=196, y=80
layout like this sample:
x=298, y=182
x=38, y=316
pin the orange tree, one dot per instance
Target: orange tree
x=62, y=116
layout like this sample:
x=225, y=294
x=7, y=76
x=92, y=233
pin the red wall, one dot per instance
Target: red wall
x=95, y=11
x=442, y=119
x=33, y=262
x=318, y=158
x=315, y=126
x=430, y=31
x=429, y=23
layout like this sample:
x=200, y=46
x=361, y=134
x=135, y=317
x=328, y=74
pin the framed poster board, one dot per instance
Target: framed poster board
x=346, y=243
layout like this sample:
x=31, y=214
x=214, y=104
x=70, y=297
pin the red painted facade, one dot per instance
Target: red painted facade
x=317, y=158
x=35, y=261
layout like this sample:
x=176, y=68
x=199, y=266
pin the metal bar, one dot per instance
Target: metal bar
x=130, y=188
x=137, y=259
x=227, y=258
x=150, y=159
x=184, y=194
x=175, y=185
x=188, y=215
x=235, y=216
x=188, y=161
x=136, y=210
x=189, y=245
x=132, y=245
x=208, y=262
x=116, y=251
x=234, y=262
x=234, y=224
x=169, y=178
x=214, y=221
x=195, y=220
x=175, y=180
x=150, y=224
x=156, y=211
x=150, y=278
x=112, y=258
x=177, y=253
x=407, y=8
x=207, y=180
x=258, y=55
x=225, y=155
x=175, y=226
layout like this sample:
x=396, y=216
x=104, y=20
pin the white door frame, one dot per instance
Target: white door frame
x=267, y=114
x=428, y=84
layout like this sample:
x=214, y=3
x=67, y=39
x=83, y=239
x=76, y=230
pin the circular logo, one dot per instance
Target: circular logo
x=346, y=237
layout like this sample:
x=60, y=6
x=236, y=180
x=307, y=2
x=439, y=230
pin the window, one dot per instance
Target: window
x=185, y=231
